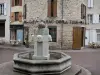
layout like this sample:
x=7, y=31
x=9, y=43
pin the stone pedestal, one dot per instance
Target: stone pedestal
x=41, y=45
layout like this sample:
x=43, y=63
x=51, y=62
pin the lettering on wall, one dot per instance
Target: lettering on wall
x=56, y=21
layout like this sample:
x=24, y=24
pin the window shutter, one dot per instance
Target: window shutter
x=96, y=18
x=13, y=3
x=82, y=11
x=20, y=2
x=20, y=16
x=12, y=17
x=49, y=8
x=90, y=3
x=55, y=8
x=5, y=9
x=85, y=11
x=84, y=16
x=25, y=11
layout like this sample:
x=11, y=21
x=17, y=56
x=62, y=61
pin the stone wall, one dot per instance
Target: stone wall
x=37, y=9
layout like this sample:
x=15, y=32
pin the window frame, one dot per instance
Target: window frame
x=90, y=18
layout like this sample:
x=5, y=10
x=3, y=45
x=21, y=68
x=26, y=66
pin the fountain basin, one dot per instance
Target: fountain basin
x=58, y=63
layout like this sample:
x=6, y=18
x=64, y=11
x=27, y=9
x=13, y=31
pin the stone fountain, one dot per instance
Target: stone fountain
x=41, y=61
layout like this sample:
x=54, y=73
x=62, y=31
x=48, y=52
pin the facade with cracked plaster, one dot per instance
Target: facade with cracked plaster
x=66, y=10
x=93, y=22
x=16, y=20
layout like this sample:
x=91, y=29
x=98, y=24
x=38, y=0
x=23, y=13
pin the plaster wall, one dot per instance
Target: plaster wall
x=7, y=22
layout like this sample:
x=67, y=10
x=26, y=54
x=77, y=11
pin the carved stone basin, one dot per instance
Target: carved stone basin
x=58, y=63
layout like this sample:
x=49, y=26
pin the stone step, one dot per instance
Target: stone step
x=75, y=70
x=7, y=69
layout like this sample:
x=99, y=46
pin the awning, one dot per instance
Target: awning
x=2, y=21
x=16, y=26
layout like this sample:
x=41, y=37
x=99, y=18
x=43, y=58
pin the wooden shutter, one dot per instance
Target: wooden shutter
x=82, y=12
x=25, y=11
x=49, y=8
x=84, y=15
x=55, y=8
x=77, y=37
x=13, y=3
x=20, y=16
x=20, y=2
x=12, y=17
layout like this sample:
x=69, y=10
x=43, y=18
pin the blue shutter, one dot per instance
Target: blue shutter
x=20, y=35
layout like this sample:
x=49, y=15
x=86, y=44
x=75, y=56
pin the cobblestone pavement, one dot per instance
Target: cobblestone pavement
x=88, y=58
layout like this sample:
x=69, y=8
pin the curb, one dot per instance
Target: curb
x=84, y=70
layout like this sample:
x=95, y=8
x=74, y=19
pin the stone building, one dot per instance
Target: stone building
x=66, y=20
x=93, y=22
x=4, y=20
x=16, y=20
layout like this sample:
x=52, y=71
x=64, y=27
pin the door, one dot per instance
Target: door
x=13, y=34
x=77, y=37
x=20, y=35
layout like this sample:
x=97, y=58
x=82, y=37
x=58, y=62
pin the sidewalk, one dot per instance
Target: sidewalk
x=15, y=47
x=30, y=49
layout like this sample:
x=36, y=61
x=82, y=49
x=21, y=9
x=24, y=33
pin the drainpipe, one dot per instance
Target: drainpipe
x=62, y=25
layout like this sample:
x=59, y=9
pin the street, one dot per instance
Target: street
x=87, y=59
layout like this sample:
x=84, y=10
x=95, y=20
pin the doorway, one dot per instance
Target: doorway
x=78, y=37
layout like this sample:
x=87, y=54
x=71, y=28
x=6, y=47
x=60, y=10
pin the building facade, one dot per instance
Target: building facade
x=93, y=22
x=5, y=20
x=66, y=20
x=16, y=20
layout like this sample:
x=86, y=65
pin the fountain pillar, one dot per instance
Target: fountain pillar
x=41, y=45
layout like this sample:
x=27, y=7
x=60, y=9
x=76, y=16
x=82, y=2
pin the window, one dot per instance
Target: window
x=83, y=11
x=16, y=2
x=99, y=18
x=1, y=9
x=52, y=8
x=53, y=33
x=16, y=16
x=90, y=3
x=2, y=29
x=98, y=35
x=90, y=18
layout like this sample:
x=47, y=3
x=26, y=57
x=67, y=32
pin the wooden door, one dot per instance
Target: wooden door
x=77, y=37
